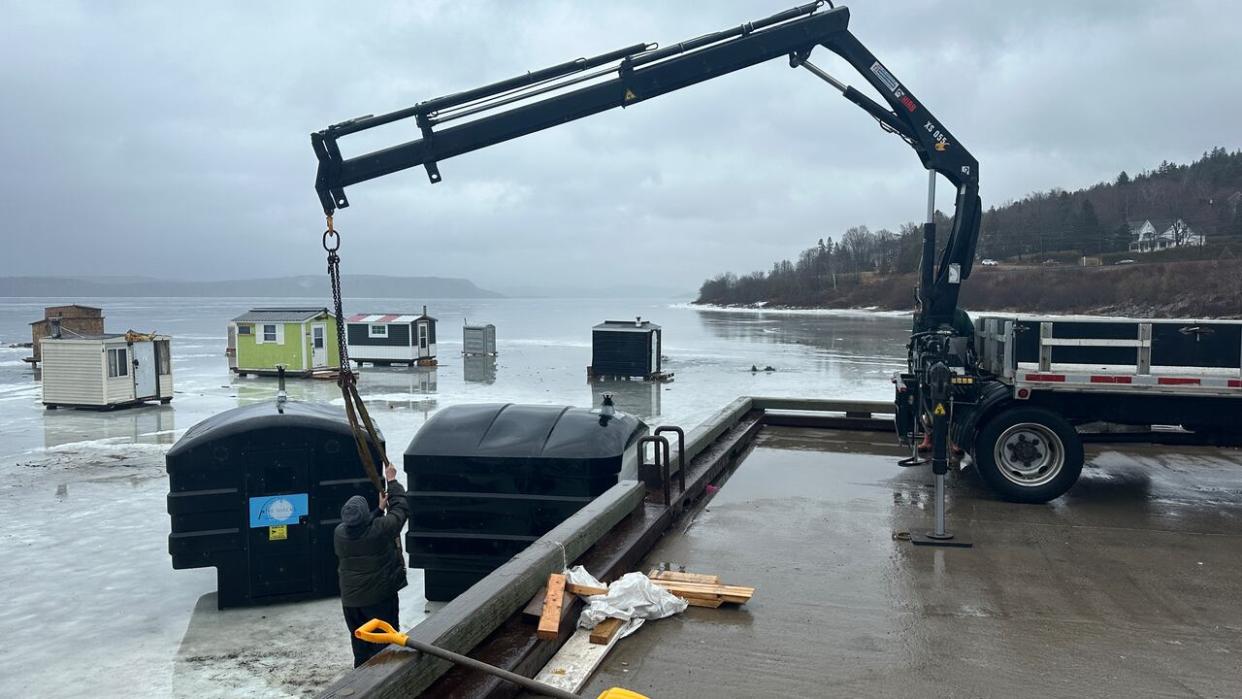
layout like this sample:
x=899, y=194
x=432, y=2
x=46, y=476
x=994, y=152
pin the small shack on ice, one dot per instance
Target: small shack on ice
x=302, y=339
x=73, y=319
x=392, y=338
x=106, y=371
x=625, y=349
x=478, y=340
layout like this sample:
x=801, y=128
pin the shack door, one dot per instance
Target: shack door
x=146, y=382
x=319, y=347
x=280, y=551
x=654, y=340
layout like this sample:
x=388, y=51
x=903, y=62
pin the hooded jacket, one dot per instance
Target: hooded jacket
x=369, y=561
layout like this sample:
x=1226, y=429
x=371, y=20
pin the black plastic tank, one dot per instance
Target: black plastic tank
x=487, y=480
x=256, y=492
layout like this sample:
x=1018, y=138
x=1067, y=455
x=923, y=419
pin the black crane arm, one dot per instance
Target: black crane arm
x=542, y=99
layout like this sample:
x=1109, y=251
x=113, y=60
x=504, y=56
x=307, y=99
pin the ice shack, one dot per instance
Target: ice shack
x=624, y=349
x=478, y=340
x=392, y=338
x=72, y=319
x=106, y=370
x=302, y=339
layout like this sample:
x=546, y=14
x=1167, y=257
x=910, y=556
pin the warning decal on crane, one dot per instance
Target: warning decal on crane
x=939, y=409
x=629, y=95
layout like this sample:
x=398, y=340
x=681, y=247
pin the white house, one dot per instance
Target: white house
x=106, y=371
x=1146, y=236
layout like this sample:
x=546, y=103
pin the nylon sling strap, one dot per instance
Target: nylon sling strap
x=355, y=410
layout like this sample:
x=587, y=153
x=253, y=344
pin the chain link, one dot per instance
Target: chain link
x=334, y=275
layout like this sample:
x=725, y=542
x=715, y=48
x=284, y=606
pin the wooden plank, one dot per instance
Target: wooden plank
x=710, y=604
x=734, y=594
x=605, y=630
x=684, y=577
x=736, y=590
x=575, y=662
x=585, y=590
x=550, y=620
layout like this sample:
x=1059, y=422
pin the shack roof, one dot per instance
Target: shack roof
x=386, y=318
x=280, y=315
x=626, y=326
x=70, y=335
x=107, y=337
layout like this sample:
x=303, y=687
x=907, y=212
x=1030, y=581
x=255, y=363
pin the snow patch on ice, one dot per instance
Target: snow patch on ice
x=763, y=308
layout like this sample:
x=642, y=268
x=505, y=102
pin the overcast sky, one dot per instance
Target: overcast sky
x=171, y=139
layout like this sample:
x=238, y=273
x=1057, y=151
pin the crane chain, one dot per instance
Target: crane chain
x=360, y=423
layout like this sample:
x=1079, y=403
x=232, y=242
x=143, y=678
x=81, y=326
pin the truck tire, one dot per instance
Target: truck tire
x=1028, y=455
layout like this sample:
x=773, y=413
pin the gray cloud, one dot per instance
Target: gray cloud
x=172, y=140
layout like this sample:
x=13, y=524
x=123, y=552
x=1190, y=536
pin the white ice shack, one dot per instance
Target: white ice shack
x=391, y=338
x=106, y=371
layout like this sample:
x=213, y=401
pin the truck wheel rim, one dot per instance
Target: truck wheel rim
x=1029, y=454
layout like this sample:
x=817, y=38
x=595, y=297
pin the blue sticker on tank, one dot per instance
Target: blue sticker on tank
x=273, y=510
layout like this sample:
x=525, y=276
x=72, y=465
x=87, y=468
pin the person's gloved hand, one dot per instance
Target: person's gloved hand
x=383, y=501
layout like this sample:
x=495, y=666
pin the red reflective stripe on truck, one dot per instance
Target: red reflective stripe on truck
x=1177, y=381
x=1045, y=377
x=1110, y=379
x=1235, y=383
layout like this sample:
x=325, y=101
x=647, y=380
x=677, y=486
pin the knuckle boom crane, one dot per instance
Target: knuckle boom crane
x=456, y=124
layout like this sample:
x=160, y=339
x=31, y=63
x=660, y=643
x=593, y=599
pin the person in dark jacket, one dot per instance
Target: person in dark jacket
x=369, y=561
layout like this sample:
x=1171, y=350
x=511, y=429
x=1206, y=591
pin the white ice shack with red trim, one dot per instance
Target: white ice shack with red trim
x=391, y=338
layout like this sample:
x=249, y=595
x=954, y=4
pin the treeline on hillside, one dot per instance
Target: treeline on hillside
x=1206, y=195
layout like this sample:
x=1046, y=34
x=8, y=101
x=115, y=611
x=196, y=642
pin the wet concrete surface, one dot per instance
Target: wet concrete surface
x=1126, y=586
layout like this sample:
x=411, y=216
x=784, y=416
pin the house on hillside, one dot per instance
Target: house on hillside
x=298, y=338
x=73, y=319
x=1149, y=236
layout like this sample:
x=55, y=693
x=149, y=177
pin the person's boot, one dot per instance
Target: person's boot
x=926, y=444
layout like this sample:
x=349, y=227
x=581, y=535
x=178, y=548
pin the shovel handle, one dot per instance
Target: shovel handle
x=380, y=631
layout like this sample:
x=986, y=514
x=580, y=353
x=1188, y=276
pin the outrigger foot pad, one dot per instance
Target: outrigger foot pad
x=912, y=461
x=931, y=539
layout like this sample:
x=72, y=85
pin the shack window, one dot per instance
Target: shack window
x=243, y=329
x=269, y=333
x=118, y=362
x=422, y=336
x=378, y=331
x=163, y=355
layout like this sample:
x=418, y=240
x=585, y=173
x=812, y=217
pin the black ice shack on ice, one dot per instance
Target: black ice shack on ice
x=392, y=338
x=624, y=349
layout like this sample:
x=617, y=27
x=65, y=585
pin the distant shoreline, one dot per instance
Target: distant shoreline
x=1204, y=289
x=763, y=307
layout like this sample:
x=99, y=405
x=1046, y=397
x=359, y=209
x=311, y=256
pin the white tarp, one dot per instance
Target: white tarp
x=633, y=598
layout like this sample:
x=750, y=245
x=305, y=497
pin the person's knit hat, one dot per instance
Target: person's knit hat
x=355, y=511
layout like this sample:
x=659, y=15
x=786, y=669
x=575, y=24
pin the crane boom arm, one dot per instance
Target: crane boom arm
x=542, y=99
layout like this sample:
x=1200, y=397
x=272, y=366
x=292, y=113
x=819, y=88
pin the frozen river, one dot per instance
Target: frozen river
x=82, y=493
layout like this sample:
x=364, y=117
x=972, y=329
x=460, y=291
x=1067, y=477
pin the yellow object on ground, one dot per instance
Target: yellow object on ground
x=619, y=693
